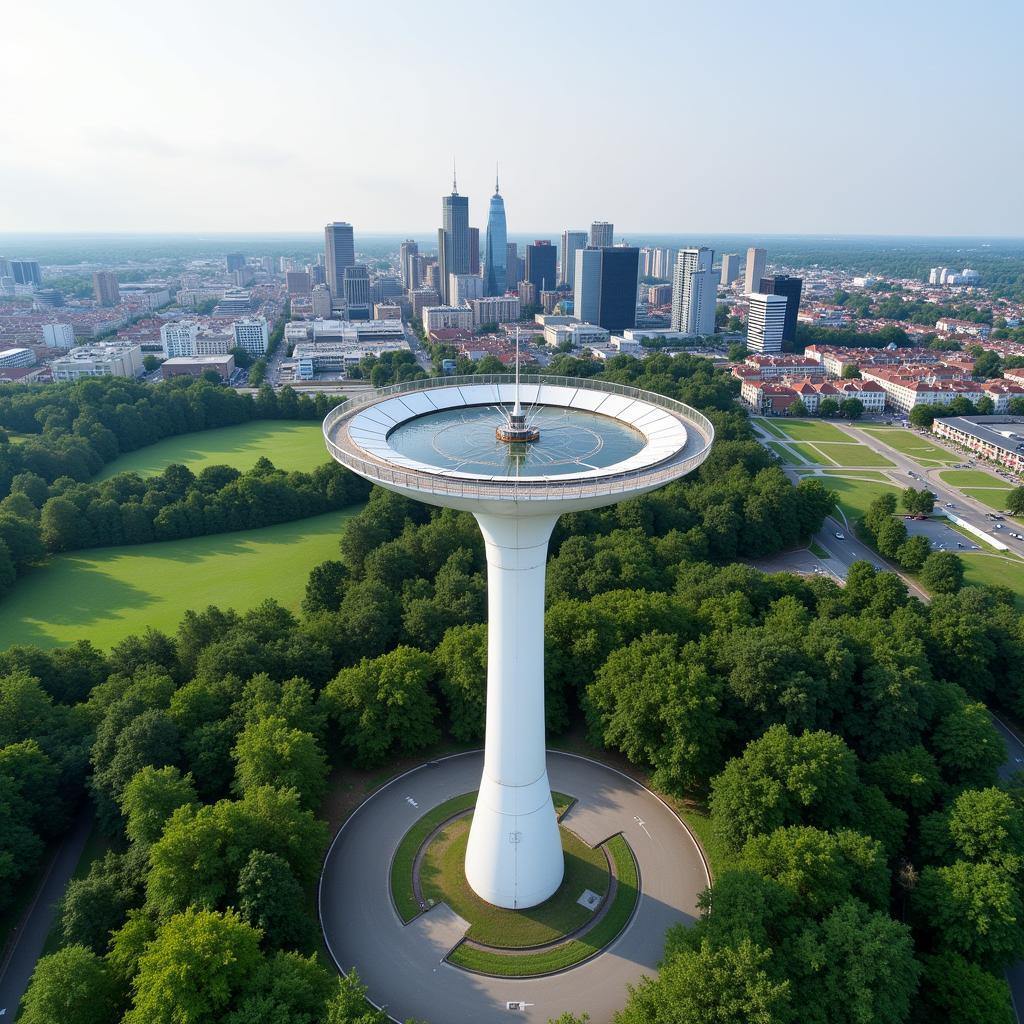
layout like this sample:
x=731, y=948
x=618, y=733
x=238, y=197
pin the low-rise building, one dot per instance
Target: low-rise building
x=779, y=365
x=437, y=318
x=1002, y=392
x=997, y=438
x=905, y=391
x=196, y=366
x=252, y=335
x=13, y=358
x=386, y=311
x=101, y=359
x=496, y=309
x=968, y=327
x=579, y=335
x=338, y=356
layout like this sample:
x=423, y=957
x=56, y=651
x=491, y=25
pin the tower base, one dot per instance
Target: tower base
x=514, y=855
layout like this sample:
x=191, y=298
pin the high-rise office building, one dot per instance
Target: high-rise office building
x=755, y=270
x=322, y=301
x=571, y=242
x=474, y=251
x=339, y=248
x=104, y=288
x=730, y=267
x=541, y=265
x=694, y=292
x=606, y=286
x=234, y=261
x=25, y=272
x=298, y=282
x=766, y=320
x=601, y=232
x=406, y=250
x=791, y=287
x=317, y=274
x=514, y=268
x=453, y=237
x=356, y=287
x=496, y=246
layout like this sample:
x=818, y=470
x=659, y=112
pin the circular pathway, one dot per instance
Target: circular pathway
x=403, y=965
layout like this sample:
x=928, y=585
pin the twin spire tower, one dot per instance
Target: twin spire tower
x=455, y=241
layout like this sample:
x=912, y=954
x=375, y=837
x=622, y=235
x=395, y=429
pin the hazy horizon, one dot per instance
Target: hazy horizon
x=797, y=120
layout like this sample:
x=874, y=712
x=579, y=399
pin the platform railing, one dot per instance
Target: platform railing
x=440, y=482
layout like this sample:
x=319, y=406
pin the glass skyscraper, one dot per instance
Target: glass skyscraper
x=496, y=247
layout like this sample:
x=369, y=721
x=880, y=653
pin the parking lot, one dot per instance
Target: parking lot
x=940, y=535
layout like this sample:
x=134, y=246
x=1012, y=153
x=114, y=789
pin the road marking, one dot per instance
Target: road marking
x=642, y=825
x=409, y=800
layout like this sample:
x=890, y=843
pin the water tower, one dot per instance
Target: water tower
x=517, y=453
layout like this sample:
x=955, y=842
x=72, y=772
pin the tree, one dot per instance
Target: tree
x=956, y=991
x=659, y=709
x=782, y=779
x=851, y=372
x=911, y=554
x=942, y=572
x=851, y=408
x=151, y=797
x=150, y=362
x=891, y=536
x=195, y=968
x=348, y=1005
x=96, y=905
x=827, y=408
x=325, y=586
x=1015, y=501
x=727, y=986
x=385, y=706
x=917, y=502
x=270, y=753
x=922, y=416
x=462, y=659
x=270, y=899
x=798, y=408
x=73, y=984
x=972, y=909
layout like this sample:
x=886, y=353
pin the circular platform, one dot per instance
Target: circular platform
x=404, y=966
x=599, y=442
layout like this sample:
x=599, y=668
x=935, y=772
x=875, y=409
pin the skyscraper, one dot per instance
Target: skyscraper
x=234, y=261
x=606, y=286
x=755, y=270
x=340, y=251
x=513, y=266
x=453, y=237
x=694, y=291
x=730, y=267
x=405, y=250
x=571, y=242
x=25, y=272
x=474, y=251
x=496, y=246
x=541, y=259
x=766, y=320
x=791, y=287
x=601, y=232
x=104, y=288
x=356, y=286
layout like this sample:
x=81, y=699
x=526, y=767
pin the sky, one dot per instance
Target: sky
x=667, y=116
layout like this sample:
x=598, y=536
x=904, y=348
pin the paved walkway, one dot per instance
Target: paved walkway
x=404, y=965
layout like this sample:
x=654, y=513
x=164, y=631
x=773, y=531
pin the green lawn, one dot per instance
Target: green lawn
x=856, y=495
x=782, y=451
x=991, y=570
x=817, y=549
x=811, y=430
x=857, y=474
x=909, y=443
x=809, y=453
x=994, y=497
x=852, y=454
x=287, y=443
x=769, y=427
x=443, y=879
x=972, y=478
x=569, y=953
x=104, y=594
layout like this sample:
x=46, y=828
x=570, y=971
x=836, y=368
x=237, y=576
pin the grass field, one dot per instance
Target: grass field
x=856, y=495
x=809, y=453
x=857, y=474
x=852, y=454
x=569, y=953
x=769, y=427
x=288, y=445
x=782, y=451
x=994, y=497
x=990, y=570
x=971, y=478
x=443, y=879
x=810, y=430
x=104, y=594
x=914, y=445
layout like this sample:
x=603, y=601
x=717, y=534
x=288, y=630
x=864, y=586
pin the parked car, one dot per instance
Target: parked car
x=840, y=536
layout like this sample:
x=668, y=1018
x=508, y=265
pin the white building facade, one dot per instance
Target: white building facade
x=766, y=320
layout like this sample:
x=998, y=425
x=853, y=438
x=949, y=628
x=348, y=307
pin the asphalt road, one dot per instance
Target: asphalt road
x=16, y=970
x=403, y=965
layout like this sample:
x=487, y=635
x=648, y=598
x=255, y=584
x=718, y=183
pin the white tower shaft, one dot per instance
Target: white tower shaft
x=514, y=856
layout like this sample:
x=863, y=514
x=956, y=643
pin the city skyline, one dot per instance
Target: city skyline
x=861, y=150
